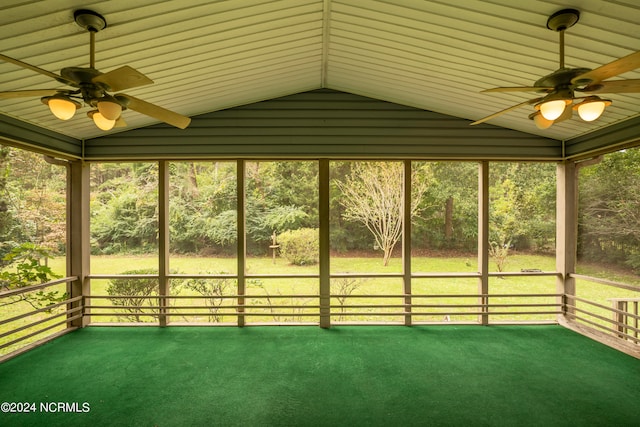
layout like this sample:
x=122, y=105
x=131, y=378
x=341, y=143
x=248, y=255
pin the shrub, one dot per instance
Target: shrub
x=213, y=290
x=300, y=247
x=139, y=292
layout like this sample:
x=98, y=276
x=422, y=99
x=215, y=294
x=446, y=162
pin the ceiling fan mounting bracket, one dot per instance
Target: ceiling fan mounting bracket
x=563, y=19
x=90, y=20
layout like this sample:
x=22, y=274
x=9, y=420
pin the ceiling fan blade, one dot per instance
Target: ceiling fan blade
x=122, y=78
x=28, y=93
x=120, y=123
x=522, y=104
x=614, y=86
x=519, y=89
x=151, y=110
x=619, y=66
x=36, y=69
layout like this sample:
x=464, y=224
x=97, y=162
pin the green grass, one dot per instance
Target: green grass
x=258, y=289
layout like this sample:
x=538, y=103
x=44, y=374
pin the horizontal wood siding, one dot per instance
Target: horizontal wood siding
x=324, y=123
x=619, y=135
x=24, y=135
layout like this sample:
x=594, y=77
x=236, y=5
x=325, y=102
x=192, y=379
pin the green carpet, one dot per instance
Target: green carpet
x=306, y=376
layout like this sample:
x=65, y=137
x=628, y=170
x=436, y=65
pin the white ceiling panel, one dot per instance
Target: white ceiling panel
x=205, y=55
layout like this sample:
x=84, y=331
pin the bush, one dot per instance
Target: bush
x=139, y=292
x=300, y=247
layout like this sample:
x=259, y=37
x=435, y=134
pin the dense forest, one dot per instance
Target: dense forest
x=282, y=196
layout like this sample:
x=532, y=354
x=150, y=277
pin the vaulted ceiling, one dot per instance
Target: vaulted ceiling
x=206, y=56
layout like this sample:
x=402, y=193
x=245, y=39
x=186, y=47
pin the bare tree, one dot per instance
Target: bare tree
x=373, y=195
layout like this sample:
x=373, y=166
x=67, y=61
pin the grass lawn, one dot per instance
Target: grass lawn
x=268, y=292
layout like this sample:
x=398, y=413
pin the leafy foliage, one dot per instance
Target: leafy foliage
x=124, y=212
x=137, y=293
x=32, y=201
x=300, y=247
x=609, y=211
x=213, y=290
x=283, y=195
x=23, y=266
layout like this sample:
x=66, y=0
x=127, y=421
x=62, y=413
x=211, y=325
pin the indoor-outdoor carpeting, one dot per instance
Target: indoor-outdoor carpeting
x=307, y=376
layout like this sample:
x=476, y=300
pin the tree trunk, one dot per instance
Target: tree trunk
x=448, y=219
x=193, y=180
x=387, y=255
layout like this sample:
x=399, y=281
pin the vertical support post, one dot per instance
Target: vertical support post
x=241, y=242
x=483, y=240
x=324, y=244
x=566, y=233
x=406, y=242
x=163, y=241
x=78, y=242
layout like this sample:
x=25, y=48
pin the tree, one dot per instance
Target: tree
x=522, y=208
x=280, y=196
x=448, y=216
x=203, y=206
x=373, y=195
x=32, y=200
x=609, y=210
x=22, y=267
x=125, y=210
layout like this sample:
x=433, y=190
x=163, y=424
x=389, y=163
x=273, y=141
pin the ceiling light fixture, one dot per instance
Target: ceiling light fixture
x=61, y=106
x=101, y=121
x=109, y=107
x=560, y=85
x=540, y=121
x=554, y=104
x=591, y=108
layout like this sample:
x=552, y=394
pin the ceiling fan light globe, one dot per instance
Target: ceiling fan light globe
x=100, y=121
x=591, y=110
x=551, y=110
x=61, y=106
x=109, y=110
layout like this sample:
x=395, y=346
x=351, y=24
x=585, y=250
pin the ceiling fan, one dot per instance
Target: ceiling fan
x=561, y=85
x=92, y=87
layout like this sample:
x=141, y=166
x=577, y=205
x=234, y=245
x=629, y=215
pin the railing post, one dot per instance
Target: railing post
x=78, y=242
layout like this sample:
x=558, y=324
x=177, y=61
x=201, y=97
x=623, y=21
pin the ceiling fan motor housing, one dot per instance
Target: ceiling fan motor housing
x=561, y=77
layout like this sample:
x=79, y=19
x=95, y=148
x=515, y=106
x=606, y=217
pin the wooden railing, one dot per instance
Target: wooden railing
x=308, y=308
x=626, y=316
x=21, y=329
x=616, y=316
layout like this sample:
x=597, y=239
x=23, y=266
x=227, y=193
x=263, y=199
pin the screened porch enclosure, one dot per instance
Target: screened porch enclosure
x=321, y=130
